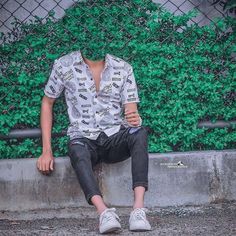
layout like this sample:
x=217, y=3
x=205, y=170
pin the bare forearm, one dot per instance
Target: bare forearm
x=46, y=125
x=132, y=115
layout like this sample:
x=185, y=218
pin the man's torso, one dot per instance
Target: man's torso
x=93, y=97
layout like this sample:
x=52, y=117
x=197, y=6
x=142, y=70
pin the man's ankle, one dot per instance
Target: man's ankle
x=138, y=206
x=98, y=202
x=100, y=211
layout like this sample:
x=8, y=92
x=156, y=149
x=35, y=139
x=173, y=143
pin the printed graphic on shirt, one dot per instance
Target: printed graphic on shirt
x=115, y=79
x=70, y=86
x=82, y=90
x=68, y=75
x=55, y=85
x=103, y=99
x=89, y=111
x=52, y=89
x=86, y=105
x=58, y=73
x=107, y=88
x=106, y=75
x=115, y=85
x=66, y=60
x=73, y=100
x=105, y=120
x=85, y=111
x=78, y=70
x=75, y=113
x=92, y=88
x=81, y=79
x=117, y=73
x=83, y=96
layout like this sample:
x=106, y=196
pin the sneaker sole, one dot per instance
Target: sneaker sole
x=110, y=230
x=137, y=229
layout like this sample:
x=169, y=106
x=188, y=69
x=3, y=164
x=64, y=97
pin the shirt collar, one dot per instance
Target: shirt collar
x=107, y=59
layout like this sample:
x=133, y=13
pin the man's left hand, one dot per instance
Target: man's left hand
x=133, y=118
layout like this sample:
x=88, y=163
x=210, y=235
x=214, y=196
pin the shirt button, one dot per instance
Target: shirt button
x=97, y=125
x=91, y=78
x=96, y=96
x=97, y=112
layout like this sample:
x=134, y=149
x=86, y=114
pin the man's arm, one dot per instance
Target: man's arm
x=46, y=122
x=132, y=115
x=52, y=90
x=130, y=98
x=46, y=160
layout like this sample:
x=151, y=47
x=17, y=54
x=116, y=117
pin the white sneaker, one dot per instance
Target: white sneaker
x=138, y=220
x=109, y=221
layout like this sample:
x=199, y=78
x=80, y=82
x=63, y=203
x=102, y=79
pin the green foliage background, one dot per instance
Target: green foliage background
x=185, y=73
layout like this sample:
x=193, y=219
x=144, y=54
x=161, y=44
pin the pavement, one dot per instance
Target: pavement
x=208, y=220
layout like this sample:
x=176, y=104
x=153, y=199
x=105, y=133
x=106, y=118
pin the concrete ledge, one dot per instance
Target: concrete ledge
x=199, y=178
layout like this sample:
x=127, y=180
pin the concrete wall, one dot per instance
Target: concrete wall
x=201, y=178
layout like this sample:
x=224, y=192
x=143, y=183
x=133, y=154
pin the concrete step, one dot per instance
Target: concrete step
x=177, y=178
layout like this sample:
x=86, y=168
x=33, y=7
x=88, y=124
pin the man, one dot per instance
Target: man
x=96, y=93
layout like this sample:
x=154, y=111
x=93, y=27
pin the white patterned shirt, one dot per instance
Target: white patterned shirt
x=91, y=112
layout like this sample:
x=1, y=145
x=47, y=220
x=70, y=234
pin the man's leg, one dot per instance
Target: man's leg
x=83, y=157
x=139, y=197
x=98, y=203
x=131, y=141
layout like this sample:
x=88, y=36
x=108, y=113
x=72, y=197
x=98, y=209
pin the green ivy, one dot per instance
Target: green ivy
x=185, y=73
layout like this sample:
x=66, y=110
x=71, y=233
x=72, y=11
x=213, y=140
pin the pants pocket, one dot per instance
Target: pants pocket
x=76, y=141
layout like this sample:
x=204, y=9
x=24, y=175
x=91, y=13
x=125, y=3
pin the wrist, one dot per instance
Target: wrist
x=47, y=150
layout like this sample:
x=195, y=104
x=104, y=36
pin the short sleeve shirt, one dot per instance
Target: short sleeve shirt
x=91, y=112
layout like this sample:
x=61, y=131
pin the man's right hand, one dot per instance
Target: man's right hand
x=45, y=162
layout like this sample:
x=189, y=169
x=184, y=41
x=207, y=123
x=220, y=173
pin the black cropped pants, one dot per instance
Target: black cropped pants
x=85, y=153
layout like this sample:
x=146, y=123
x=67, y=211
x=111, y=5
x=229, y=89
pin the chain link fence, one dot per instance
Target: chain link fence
x=27, y=11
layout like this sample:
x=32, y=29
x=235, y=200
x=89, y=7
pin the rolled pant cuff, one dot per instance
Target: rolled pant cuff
x=142, y=184
x=89, y=196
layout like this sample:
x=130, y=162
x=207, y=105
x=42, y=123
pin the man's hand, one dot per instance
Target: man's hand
x=132, y=117
x=45, y=162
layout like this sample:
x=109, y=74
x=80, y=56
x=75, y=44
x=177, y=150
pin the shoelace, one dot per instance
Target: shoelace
x=139, y=213
x=108, y=217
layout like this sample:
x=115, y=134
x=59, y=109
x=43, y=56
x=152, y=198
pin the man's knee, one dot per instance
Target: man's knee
x=139, y=131
x=78, y=153
x=138, y=135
